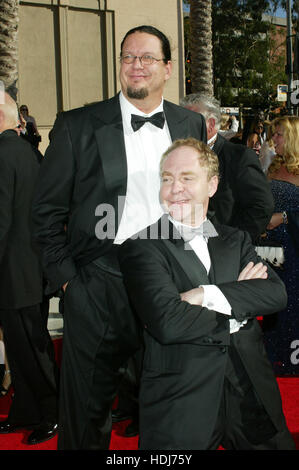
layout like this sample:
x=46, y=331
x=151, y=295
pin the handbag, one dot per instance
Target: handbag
x=270, y=251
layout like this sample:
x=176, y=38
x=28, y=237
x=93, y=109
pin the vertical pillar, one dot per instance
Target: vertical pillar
x=111, y=54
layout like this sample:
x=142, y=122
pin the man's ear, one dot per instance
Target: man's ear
x=168, y=70
x=211, y=125
x=213, y=185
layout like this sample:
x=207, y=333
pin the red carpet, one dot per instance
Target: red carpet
x=289, y=388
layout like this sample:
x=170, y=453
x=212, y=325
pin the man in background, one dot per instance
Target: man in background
x=27, y=341
x=243, y=198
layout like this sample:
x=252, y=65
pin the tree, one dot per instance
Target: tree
x=9, y=19
x=200, y=46
x=246, y=65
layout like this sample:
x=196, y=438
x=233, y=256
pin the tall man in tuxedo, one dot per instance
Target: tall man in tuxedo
x=98, y=185
x=243, y=198
x=197, y=288
x=27, y=341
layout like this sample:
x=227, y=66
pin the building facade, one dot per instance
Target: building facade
x=69, y=51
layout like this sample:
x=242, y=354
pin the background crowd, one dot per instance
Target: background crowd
x=276, y=144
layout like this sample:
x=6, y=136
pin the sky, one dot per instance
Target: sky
x=280, y=12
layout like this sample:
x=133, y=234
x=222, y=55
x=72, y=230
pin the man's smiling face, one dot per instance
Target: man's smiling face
x=185, y=187
x=139, y=81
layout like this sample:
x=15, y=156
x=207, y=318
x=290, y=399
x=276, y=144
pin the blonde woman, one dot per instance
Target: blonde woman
x=281, y=337
x=229, y=126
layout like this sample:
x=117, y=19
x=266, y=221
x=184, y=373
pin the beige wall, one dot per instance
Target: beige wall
x=69, y=51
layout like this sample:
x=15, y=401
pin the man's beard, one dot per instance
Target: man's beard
x=137, y=94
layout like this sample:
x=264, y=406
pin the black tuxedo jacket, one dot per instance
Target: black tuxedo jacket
x=85, y=166
x=186, y=346
x=243, y=198
x=20, y=269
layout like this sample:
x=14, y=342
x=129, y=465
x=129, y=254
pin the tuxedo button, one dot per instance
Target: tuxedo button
x=208, y=340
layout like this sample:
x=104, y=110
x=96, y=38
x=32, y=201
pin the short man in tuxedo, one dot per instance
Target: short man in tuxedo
x=98, y=185
x=27, y=341
x=244, y=197
x=197, y=288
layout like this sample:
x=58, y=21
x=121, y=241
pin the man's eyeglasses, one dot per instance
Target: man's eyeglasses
x=144, y=59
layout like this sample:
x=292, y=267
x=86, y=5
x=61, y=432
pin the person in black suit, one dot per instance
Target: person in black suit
x=244, y=197
x=197, y=288
x=27, y=341
x=98, y=185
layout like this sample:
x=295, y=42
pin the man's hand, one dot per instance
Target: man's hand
x=253, y=271
x=276, y=220
x=193, y=296
x=64, y=286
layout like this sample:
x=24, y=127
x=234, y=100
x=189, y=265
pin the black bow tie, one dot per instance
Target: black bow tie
x=157, y=119
x=206, y=230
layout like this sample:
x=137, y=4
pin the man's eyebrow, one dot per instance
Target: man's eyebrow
x=133, y=53
x=182, y=173
x=188, y=173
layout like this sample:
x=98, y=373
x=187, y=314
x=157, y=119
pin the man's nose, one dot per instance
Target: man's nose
x=177, y=186
x=137, y=63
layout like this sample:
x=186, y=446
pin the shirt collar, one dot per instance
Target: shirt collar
x=212, y=141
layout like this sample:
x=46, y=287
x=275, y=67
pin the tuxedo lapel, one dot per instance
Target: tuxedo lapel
x=219, y=142
x=221, y=250
x=109, y=136
x=178, y=124
x=184, y=255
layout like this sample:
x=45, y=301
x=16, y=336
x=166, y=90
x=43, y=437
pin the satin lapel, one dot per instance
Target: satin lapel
x=178, y=125
x=221, y=249
x=187, y=259
x=111, y=146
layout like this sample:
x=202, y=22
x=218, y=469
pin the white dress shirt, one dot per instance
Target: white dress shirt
x=144, y=149
x=213, y=298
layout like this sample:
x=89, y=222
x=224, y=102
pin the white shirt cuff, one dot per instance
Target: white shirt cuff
x=214, y=299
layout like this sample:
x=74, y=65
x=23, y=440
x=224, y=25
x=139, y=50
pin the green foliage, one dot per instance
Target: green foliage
x=247, y=64
x=242, y=45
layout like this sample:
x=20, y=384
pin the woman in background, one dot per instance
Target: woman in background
x=254, y=142
x=281, y=332
x=267, y=152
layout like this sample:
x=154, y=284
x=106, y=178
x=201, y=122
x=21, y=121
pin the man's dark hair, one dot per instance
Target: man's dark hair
x=155, y=32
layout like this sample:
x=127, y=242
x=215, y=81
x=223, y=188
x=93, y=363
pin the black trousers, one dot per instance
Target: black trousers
x=100, y=334
x=32, y=364
x=128, y=391
x=243, y=423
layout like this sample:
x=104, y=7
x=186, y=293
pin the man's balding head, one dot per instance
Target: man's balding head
x=9, y=117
